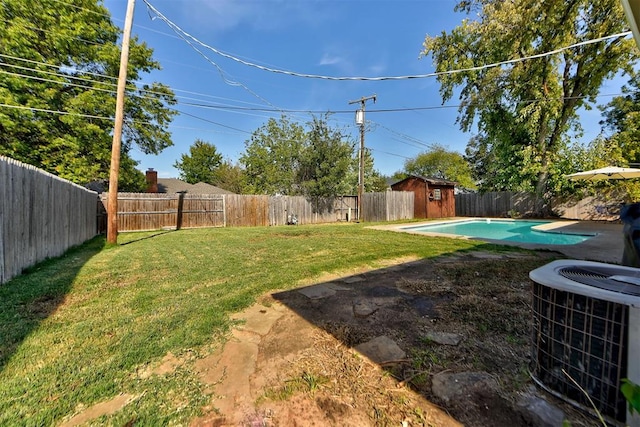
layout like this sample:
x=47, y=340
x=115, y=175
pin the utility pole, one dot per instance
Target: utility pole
x=112, y=203
x=360, y=121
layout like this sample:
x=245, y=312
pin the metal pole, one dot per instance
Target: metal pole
x=362, y=102
x=361, y=168
x=112, y=204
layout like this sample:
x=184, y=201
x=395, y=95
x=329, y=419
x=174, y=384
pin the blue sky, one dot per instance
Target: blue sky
x=369, y=38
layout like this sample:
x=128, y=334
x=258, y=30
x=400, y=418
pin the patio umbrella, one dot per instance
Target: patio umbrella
x=610, y=172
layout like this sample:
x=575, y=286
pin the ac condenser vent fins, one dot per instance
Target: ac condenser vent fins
x=586, y=334
x=601, y=278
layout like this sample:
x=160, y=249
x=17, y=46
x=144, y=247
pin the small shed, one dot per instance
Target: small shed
x=434, y=197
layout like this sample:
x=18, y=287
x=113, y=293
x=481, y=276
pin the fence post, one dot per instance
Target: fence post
x=180, y=208
x=1, y=248
x=224, y=210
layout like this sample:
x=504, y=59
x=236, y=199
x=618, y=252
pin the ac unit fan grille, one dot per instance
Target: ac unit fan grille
x=583, y=338
x=601, y=278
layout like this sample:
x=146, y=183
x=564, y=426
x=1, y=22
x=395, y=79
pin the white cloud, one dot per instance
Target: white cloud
x=377, y=69
x=218, y=15
x=328, y=59
x=221, y=15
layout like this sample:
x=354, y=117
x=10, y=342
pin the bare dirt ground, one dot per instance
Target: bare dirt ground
x=298, y=358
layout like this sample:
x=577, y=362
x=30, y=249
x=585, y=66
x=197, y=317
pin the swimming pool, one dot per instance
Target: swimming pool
x=521, y=231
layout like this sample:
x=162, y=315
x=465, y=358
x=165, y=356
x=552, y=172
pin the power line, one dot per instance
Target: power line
x=182, y=35
x=69, y=76
x=233, y=83
x=56, y=81
x=215, y=123
x=51, y=73
x=52, y=32
x=137, y=85
x=57, y=67
x=405, y=136
x=95, y=12
x=179, y=30
x=233, y=108
x=390, y=154
x=281, y=110
x=91, y=116
x=227, y=107
x=106, y=15
x=274, y=108
x=148, y=123
x=62, y=113
x=108, y=91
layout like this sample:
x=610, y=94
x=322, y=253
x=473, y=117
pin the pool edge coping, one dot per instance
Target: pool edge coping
x=551, y=228
x=606, y=246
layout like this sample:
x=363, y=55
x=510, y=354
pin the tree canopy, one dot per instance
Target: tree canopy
x=230, y=176
x=272, y=157
x=324, y=164
x=58, y=87
x=374, y=181
x=284, y=157
x=622, y=122
x=526, y=109
x=441, y=163
x=200, y=164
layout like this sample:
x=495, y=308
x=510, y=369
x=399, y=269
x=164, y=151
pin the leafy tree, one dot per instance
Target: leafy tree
x=398, y=176
x=60, y=81
x=283, y=157
x=441, y=163
x=325, y=162
x=525, y=110
x=622, y=122
x=599, y=153
x=374, y=181
x=272, y=157
x=200, y=164
x=130, y=179
x=230, y=176
x=618, y=145
x=503, y=160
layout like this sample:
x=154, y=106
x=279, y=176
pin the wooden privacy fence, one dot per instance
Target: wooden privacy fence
x=41, y=216
x=514, y=204
x=153, y=211
x=283, y=208
x=388, y=206
x=495, y=204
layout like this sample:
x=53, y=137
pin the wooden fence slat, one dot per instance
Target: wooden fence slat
x=388, y=206
x=41, y=216
x=505, y=204
x=149, y=211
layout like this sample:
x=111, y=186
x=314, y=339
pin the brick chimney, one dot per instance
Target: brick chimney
x=152, y=181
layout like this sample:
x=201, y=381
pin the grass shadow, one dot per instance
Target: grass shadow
x=140, y=237
x=481, y=296
x=27, y=300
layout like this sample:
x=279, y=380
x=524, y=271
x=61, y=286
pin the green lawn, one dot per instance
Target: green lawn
x=76, y=330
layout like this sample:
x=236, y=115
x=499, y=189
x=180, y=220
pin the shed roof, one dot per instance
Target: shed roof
x=434, y=181
x=174, y=185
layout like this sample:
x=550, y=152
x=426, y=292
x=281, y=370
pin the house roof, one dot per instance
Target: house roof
x=434, y=181
x=174, y=185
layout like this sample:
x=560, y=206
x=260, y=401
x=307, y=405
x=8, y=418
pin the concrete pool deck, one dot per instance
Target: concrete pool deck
x=607, y=245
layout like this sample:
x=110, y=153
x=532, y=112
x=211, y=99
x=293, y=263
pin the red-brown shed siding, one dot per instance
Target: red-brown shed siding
x=425, y=204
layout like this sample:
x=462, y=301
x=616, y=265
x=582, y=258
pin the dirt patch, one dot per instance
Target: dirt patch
x=104, y=408
x=300, y=366
x=167, y=366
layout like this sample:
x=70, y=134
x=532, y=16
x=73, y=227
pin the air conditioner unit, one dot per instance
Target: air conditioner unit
x=586, y=334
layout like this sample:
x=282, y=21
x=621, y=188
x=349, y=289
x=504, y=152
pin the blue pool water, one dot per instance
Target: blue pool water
x=507, y=230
